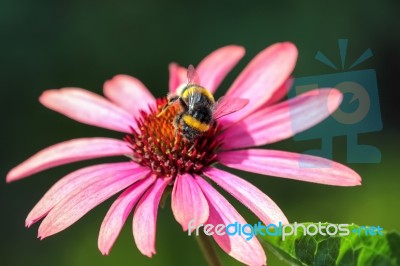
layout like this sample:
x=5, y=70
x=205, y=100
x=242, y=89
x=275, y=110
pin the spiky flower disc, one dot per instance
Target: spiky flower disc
x=159, y=145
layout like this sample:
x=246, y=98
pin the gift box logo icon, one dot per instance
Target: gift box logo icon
x=358, y=113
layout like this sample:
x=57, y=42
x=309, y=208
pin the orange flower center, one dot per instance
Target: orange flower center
x=157, y=144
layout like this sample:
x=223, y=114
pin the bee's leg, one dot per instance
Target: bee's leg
x=177, y=121
x=178, y=118
x=183, y=104
x=177, y=125
x=171, y=100
x=163, y=110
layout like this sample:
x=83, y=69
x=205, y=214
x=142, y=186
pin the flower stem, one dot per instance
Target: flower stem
x=208, y=250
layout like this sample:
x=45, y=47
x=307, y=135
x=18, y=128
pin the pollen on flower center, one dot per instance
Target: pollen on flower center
x=157, y=144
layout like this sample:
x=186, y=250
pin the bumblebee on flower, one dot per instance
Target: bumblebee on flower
x=176, y=142
x=197, y=106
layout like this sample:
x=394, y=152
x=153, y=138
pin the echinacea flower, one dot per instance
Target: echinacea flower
x=159, y=158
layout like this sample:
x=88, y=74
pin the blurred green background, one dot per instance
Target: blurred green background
x=48, y=44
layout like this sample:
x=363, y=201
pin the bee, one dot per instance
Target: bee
x=198, y=109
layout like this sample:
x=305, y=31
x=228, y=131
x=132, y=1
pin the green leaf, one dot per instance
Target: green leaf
x=359, y=247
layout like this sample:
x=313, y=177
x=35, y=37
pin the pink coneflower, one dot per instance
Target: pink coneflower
x=158, y=160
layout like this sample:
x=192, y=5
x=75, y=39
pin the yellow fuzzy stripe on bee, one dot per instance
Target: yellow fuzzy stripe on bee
x=197, y=89
x=195, y=124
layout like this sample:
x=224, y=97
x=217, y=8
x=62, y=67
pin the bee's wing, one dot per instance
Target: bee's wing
x=226, y=106
x=192, y=76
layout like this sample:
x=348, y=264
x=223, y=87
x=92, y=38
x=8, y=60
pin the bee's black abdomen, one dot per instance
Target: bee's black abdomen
x=202, y=113
x=189, y=133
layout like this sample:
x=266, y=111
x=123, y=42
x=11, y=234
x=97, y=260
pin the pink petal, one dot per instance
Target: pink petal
x=118, y=213
x=145, y=218
x=68, y=152
x=291, y=165
x=213, y=68
x=262, y=77
x=86, y=197
x=279, y=94
x=283, y=120
x=177, y=76
x=88, y=108
x=128, y=93
x=248, y=252
x=188, y=202
x=72, y=183
x=249, y=195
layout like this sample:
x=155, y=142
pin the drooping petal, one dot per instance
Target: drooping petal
x=72, y=182
x=88, y=108
x=249, y=195
x=128, y=93
x=177, y=76
x=291, y=165
x=214, y=67
x=68, y=152
x=119, y=212
x=283, y=120
x=249, y=251
x=262, y=77
x=86, y=197
x=145, y=218
x=188, y=202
